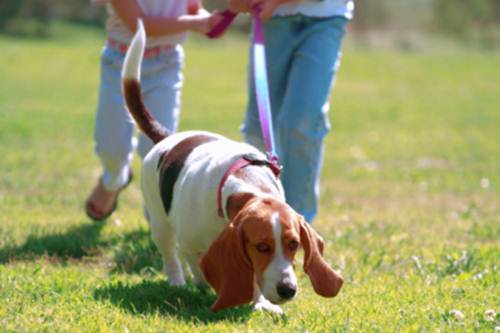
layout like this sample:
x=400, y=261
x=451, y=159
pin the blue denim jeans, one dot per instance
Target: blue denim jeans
x=302, y=59
x=161, y=81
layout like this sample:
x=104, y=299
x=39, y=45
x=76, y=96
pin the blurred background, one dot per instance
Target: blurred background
x=405, y=24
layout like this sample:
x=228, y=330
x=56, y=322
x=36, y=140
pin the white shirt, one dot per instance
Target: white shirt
x=317, y=8
x=118, y=31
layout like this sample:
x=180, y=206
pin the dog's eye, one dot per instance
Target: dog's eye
x=293, y=245
x=263, y=248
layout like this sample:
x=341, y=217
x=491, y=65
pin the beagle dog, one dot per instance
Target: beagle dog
x=220, y=206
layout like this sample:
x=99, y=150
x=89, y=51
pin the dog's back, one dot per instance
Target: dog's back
x=192, y=208
x=180, y=193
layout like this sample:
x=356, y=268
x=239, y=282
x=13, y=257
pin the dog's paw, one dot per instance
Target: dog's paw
x=174, y=273
x=265, y=305
x=176, y=282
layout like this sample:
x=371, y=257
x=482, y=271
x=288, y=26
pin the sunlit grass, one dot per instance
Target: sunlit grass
x=409, y=209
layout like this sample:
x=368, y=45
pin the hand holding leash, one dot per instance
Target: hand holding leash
x=203, y=21
x=240, y=6
x=220, y=28
x=266, y=7
x=228, y=16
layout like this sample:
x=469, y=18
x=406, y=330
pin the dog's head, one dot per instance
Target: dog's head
x=259, y=245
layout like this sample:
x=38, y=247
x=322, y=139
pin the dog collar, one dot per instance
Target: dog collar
x=240, y=163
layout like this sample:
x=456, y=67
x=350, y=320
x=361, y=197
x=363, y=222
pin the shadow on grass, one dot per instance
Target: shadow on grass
x=75, y=243
x=132, y=252
x=135, y=252
x=189, y=303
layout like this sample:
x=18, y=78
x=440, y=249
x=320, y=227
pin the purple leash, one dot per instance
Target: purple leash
x=259, y=74
x=262, y=87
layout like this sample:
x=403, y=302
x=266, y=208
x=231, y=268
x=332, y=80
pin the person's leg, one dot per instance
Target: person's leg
x=303, y=120
x=113, y=135
x=161, y=82
x=114, y=127
x=278, y=58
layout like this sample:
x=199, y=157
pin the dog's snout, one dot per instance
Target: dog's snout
x=286, y=290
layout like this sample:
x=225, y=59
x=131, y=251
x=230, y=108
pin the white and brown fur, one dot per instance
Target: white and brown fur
x=249, y=254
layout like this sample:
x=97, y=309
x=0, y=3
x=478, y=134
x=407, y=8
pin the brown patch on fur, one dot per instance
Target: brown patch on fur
x=236, y=202
x=290, y=232
x=172, y=162
x=233, y=259
x=135, y=104
x=258, y=228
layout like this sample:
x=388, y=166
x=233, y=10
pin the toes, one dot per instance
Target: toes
x=268, y=307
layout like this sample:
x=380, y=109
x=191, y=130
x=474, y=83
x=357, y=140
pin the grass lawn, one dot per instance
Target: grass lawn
x=409, y=208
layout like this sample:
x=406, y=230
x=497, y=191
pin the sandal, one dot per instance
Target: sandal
x=95, y=213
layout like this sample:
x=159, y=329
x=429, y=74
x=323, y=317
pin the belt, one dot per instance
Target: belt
x=148, y=52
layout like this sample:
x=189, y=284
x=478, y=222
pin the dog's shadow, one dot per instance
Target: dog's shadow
x=188, y=303
x=133, y=252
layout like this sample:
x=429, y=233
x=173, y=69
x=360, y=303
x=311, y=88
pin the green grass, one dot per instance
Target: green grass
x=409, y=209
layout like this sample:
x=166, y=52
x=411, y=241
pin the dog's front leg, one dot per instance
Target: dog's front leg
x=193, y=260
x=260, y=303
x=173, y=269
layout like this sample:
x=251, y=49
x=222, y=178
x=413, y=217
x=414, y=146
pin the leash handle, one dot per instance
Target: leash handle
x=221, y=27
x=262, y=86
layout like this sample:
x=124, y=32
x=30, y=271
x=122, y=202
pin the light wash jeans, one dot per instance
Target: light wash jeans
x=161, y=81
x=302, y=59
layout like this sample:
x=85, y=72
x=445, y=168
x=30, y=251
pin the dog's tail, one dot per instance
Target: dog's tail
x=131, y=74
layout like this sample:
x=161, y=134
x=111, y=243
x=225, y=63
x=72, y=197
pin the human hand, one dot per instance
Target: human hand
x=239, y=6
x=193, y=7
x=203, y=21
x=267, y=7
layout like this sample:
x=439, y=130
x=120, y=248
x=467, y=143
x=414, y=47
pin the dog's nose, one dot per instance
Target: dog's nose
x=286, y=290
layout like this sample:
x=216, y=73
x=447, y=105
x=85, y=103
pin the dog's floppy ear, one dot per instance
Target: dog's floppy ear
x=228, y=269
x=326, y=282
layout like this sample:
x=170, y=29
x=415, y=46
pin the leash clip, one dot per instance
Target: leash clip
x=271, y=162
